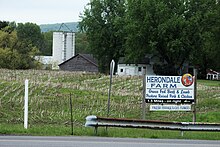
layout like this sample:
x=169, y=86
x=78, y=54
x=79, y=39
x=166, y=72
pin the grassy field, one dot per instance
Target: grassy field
x=49, y=104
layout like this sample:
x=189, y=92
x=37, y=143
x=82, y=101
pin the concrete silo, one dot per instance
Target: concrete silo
x=70, y=45
x=63, y=47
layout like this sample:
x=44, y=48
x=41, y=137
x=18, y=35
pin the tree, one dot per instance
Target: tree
x=103, y=23
x=82, y=44
x=3, y=24
x=206, y=12
x=29, y=34
x=7, y=26
x=16, y=53
x=30, y=41
x=8, y=40
x=48, y=44
x=216, y=40
x=178, y=31
x=173, y=29
x=9, y=57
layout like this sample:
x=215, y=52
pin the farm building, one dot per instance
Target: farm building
x=212, y=75
x=47, y=61
x=131, y=69
x=80, y=62
x=63, y=49
x=147, y=64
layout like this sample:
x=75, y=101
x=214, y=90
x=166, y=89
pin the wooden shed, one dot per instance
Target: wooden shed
x=80, y=62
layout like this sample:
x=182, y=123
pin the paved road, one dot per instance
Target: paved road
x=36, y=141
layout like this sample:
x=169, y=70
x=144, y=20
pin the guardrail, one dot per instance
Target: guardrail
x=94, y=121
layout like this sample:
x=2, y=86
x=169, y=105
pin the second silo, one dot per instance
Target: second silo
x=63, y=47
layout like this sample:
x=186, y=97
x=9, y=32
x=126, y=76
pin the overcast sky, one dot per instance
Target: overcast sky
x=41, y=11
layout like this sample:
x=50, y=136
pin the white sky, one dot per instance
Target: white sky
x=41, y=11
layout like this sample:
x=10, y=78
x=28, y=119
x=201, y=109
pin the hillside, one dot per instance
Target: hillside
x=55, y=27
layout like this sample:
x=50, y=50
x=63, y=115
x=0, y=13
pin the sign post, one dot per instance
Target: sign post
x=143, y=99
x=26, y=105
x=195, y=87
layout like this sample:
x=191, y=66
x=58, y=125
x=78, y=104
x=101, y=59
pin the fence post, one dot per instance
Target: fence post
x=112, y=66
x=26, y=105
x=71, y=113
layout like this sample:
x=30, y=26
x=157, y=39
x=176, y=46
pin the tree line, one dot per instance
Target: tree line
x=177, y=31
x=20, y=43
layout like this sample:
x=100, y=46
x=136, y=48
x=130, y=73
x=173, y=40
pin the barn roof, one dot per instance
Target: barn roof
x=210, y=71
x=88, y=57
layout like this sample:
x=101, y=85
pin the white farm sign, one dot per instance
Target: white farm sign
x=169, y=89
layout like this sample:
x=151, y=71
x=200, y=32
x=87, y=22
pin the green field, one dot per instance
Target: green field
x=49, y=104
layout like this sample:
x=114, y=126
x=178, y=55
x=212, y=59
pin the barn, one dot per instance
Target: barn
x=131, y=69
x=80, y=62
x=147, y=64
